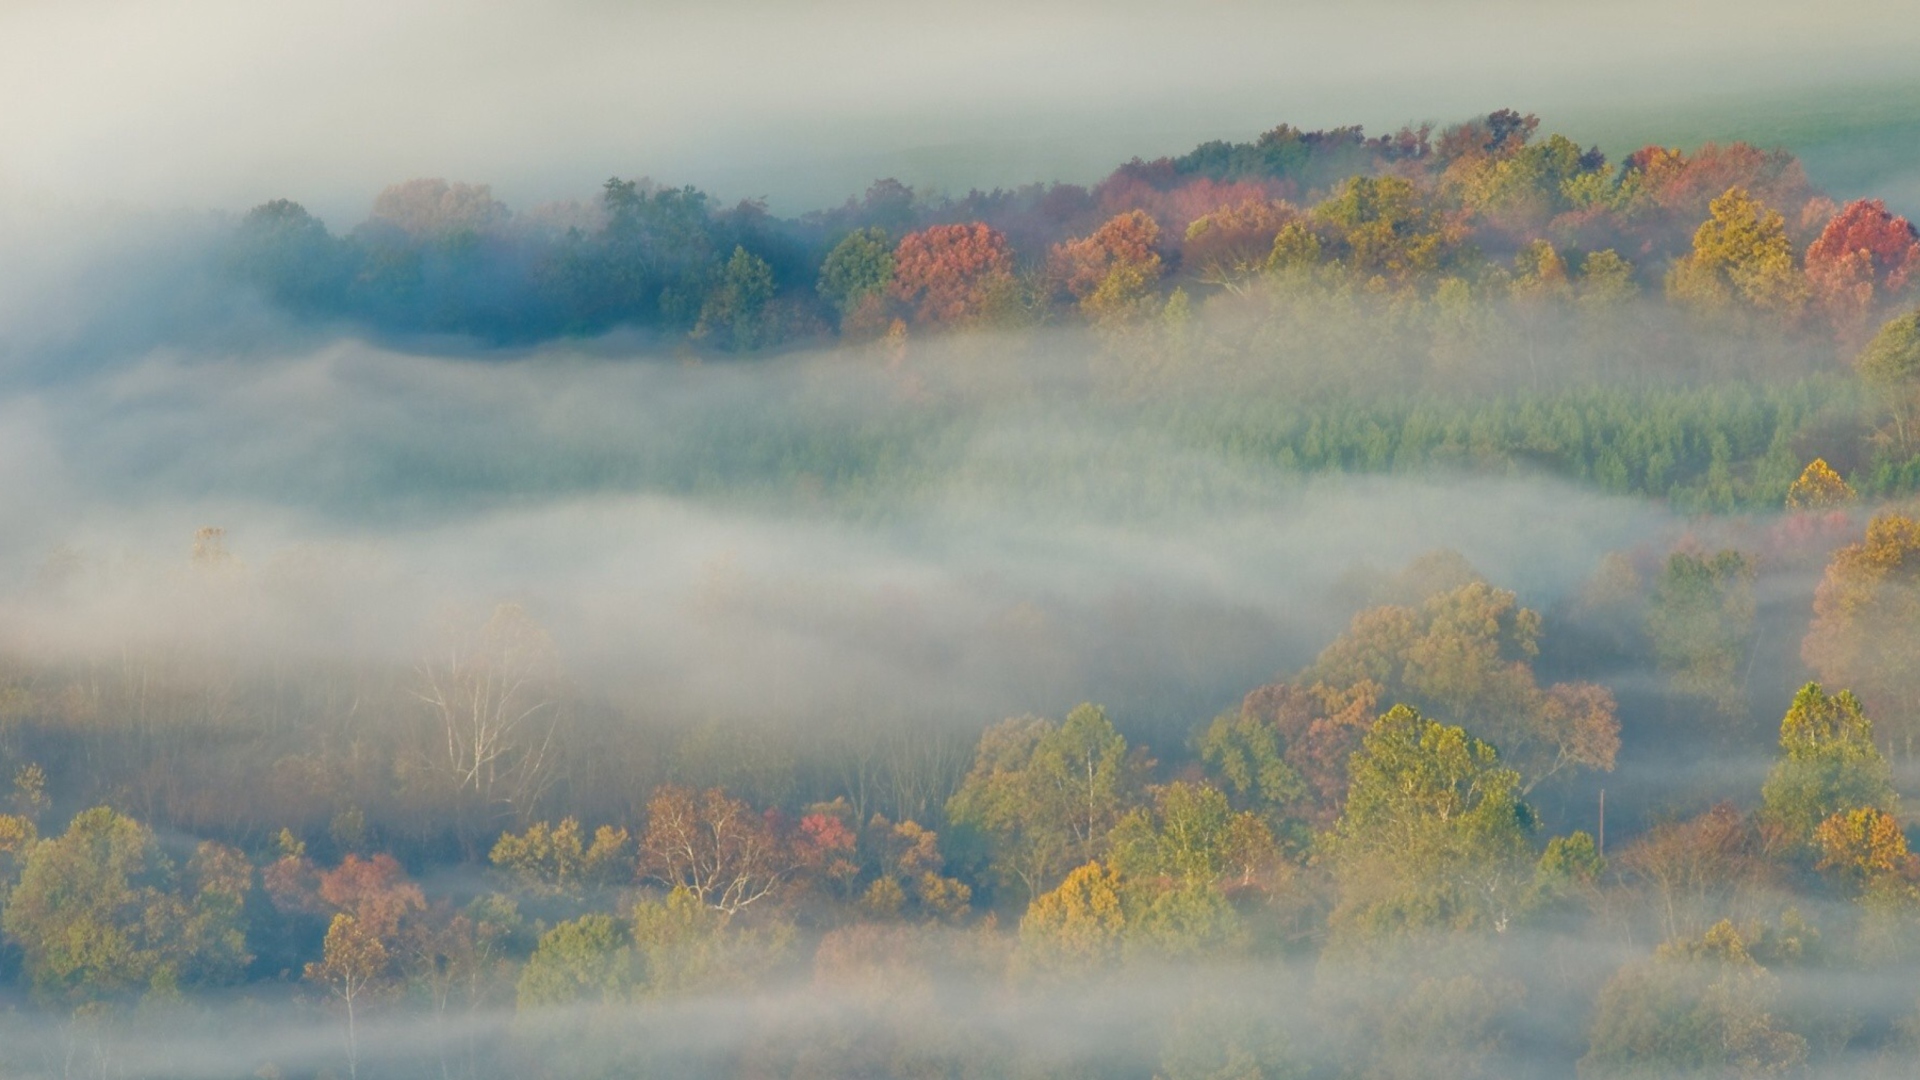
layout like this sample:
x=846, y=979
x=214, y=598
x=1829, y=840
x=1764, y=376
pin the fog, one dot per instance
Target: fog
x=214, y=103
x=1021, y=682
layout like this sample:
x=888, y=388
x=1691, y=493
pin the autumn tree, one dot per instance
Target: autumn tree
x=1819, y=488
x=560, y=860
x=434, y=207
x=1045, y=794
x=682, y=945
x=1866, y=623
x=1465, y=655
x=353, y=961
x=1114, y=269
x=1828, y=764
x=1691, y=872
x=1863, y=256
x=1075, y=928
x=724, y=853
x=1742, y=259
x=1865, y=847
x=1701, y=623
x=952, y=273
x=1434, y=835
x=1385, y=229
x=1232, y=243
x=376, y=892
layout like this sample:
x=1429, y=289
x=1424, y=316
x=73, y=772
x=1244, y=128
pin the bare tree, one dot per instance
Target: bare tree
x=715, y=846
x=494, y=694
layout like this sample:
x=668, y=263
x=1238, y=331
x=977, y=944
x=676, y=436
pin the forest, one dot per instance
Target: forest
x=1441, y=604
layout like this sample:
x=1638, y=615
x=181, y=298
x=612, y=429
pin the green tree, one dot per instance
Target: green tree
x=1828, y=764
x=1890, y=366
x=1701, y=623
x=1434, y=835
x=732, y=313
x=100, y=913
x=588, y=959
x=860, y=266
x=1046, y=794
x=1247, y=757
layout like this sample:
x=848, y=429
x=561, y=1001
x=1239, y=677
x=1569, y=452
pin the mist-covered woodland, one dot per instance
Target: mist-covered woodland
x=1442, y=604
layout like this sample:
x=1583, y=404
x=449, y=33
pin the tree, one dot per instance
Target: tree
x=1828, y=765
x=1046, y=794
x=1696, y=868
x=1701, y=623
x=1077, y=927
x=952, y=273
x=1819, y=488
x=1434, y=835
x=100, y=913
x=353, y=960
x=1890, y=366
x=1864, y=846
x=732, y=313
x=1697, y=1008
x=1465, y=655
x=429, y=207
x=1741, y=260
x=1192, y=836
x=682, y=946
x=1866, y=623
x=858, y=269
x=1112, y=270
x=1248, y=756
x=288, y=254
x=587, y=959
x=1233, y=242
x=376, y=892
x=718, y=848
x=557, y=860
x=1385, y=230
x=1863, y=255
x=493, y=694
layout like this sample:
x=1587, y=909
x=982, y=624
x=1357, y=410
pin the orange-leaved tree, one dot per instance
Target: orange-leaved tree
x=952, y=273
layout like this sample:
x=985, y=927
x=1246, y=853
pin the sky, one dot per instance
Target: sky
x=222, y=104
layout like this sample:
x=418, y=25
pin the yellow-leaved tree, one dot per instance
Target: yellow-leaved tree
x=1741, y=262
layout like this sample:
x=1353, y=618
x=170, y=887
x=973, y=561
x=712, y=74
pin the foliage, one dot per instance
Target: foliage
x=1819, y=488
x=555, y=858
x=1701, y=623
x=1698, y=1008
x=100, y=912
x=1046, y=794
x=1828, y=764
x=1076, y=927
x=1466, y=655
x=1866, y=623
x=1434, y=834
